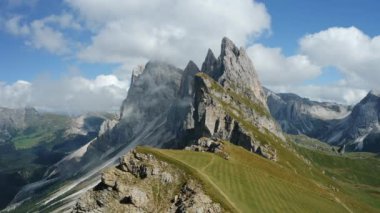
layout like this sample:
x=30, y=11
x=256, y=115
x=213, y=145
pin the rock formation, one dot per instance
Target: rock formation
x=142, y=183
x=228, y=95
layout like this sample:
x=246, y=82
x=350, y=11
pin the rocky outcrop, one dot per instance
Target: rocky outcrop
x=209, y=145
x=142, y=183
x=83, y=125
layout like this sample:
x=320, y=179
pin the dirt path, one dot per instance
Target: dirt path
x=344, y=205
x=209, y=163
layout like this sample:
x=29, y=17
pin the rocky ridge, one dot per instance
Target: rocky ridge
x=360, y=131
x=357, y=128
x=142, y=183
x=298, y=115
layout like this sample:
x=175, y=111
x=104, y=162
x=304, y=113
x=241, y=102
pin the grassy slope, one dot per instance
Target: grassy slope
x=357, y=174
x=248, y=182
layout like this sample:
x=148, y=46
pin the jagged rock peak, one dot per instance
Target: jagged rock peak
x=228, y=45
x=187, y=81
x=234, y=68
x=191, y=67
x=153, y=91
x=210, y=63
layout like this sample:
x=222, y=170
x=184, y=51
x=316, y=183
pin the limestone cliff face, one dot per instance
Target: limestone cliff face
x=142, y=183
x=221, y=113
x=228, y=100
x=234, y=69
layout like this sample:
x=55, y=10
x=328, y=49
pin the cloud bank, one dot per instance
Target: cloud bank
x=174, y=31
x=71, y=94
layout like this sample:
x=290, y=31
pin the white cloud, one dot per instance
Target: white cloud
x=175, y=31
x=65, y=21
x=42, y=33
x=14, y=95
x=68, y=94
x=276, y=69
x=354, y=53
x=44, y=37
x=14, y=26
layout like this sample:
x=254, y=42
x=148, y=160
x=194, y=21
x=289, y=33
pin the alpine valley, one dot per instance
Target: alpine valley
x=203, y=139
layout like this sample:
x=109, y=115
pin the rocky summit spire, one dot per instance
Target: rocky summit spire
x=187, y=81
x=210, y=63
x=234, y=68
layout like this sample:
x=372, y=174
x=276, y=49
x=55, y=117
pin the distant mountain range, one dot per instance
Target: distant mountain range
x=356, y=127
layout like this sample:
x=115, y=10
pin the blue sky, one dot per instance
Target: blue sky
x=89, y=39
x=292, y=19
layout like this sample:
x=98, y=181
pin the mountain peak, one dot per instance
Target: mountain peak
x=187, y=80
x=234, y=68
x=191, y=66
x=374, y=92
x=228, y=45
x=210, y=63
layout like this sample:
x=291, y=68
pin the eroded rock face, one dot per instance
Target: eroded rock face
x=192, y=199
x=142, y=183
x=221, y=113
x=234, y=69
x=226, y=94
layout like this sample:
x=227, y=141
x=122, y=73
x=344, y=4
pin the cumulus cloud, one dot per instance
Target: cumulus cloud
x=354, y=53
x=68, y=94
x=14, y=26
x=15, y=95
x=175, y=31
x=276, y=69
x=42, y=33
